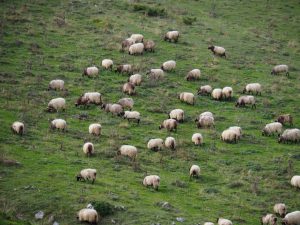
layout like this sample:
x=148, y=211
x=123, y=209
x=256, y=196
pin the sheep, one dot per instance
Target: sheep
x=194, y=171
x=152, y=180
x=132, y=115
x=205, y=90
x=82, y=101
x=208, y=223
x=222, y=221
x=107, y=64
x=89, y=98
x=243, y=100
x=87, y=174
x=124, y=69
x=177, y=114
x=272, y=128
x=90, y=71
x=206, y=122
x=56, y=104
x=138, y=38
x=217, y=94
x=135, y=79
x=170, y=142
x=88, y=148
x=169, y=124
x=269, y=219
x=238, y=130
x=187, y=97
x=18, y=128
x=290, y=135
x=149, y=45
x=197, y=139
x=285, y=118
x=295, y=181
x=194, y=74
x=88, y=215
x=280, y=69
x=128, y=150
x=115, y=109
x=126, y=103
x=136, y=49
x=168, y=65
x=155, y=144
x=217, y=50
x=292, y=218
x=95, y=129
x=172, y=36
x=253, y=88
x=56, y=85
x=127, y=43
x=204, y=114
x=229, y=136
x=280, y=209
x=156, y=74
x=59, y=124
x=128, y=88
x=227, y=93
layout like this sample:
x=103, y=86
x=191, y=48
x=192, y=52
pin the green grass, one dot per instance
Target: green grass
x=45, y=40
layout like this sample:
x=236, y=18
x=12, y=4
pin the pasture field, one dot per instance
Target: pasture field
x=43, y=40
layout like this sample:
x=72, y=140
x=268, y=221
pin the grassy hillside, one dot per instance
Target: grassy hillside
x=43, y=40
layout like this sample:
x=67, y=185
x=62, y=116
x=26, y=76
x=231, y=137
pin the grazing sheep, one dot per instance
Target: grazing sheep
x=280, y=69
x=106, y=107
x=171, y=36
x=82, y=101
x=227, y=93
x=90, y=71
x=197, y=139
x=292, y=218
x=88, y=148
x=206, y=122
x=138, y=38
x=152, y=180
x=269, y=219
x=132, y=115
x=56, y=104
x=107, y=64
x=238, y=130
x=194, y=74
x=136, y=49
x=18, y=128
x=208, y=223
x=285, y=118
x=58, y=124
x=155, y=144
x=88, y=215
x=168, y=65
x=253, y=88
x=135, y=79
x=170, y=142
x=205, y=114
x=95, y=129
x=126, y=103
x=272, y=128
x=115, y=109
x=220, y=51
x=128, y=150
x=280, y=209
x=177, y=114
x=124, y=69
x=290, y=135
x=93, y=98
x=243, y=100
x=56, y=85
x=128, y=88
x=149, y=45
x=230, y=136
x=217, y=94
x=194, y=171
x=87, y=174
x=156, y=74
x=295, y=181
x=222, y=221
x=187, y=97
x=127, y=43
x=169, y=124
x=205, y=90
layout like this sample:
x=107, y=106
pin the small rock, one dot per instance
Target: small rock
x=39, y=215
x=120, y=207
x=89, y=206
x=113, y=221
x=55, y=223
x=180, y=219
x=51, y=219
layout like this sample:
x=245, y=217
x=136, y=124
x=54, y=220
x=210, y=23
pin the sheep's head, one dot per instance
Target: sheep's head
x=280, y=139
x=211, y=47
x=84, y=72
x=78, y=177
x=272, y=72
x=118, y=152
x=244, y=90
x=284, y=222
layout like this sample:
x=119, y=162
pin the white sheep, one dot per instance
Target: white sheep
x=168, y=65
x=285, y=118
x=280, y=69
x=56, y=85
x=244, y=100
x=272, y=128
x=88, y=148
x=217, y=94
x=206, y=114
x=269, y=219
x=107, y=64
x=205, y=90
x=280, y=209
x=171, y=36
x=170, y=142
x=149, y=45
x=238, y=130
x=295, y=181
x=206, y=122
x=152, y=180
x=136, y=49
x=137, y=38
x=128, y=150
x=59, y=124
x=127, y=43
x=87, y=174
x=197, y=139
x=217, y=50
x=194, y=171
x=227, y=93
x=124, y=69
x=169, y=124
x=155, y=144
x=135, y=79
x=292, y=218
x=208, y=223
x=222, y=221
x=156, y=74
x=95, y=129
x=290, y=135
x=187, y=97
x=18, y=127
x=88, y=215
x=126, y=103
x=93, y=98
x=229, y=136
x=115, y=109
x=129, y=88
x=253, y=88
x=132, y=115
x=177, y=114
x=194, y=74
x=90, y=71
x=56, y=104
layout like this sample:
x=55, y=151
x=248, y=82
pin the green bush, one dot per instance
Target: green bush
x=103, y=208
x=148, y=10
x=189, y=20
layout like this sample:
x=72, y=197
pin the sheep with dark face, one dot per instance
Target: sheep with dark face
x=88, y=148
x=280, y=209
x=136, y=49
x=90, y=71
x=205, y=90
x=280, y=69
x=124, y=69
x=272, y=128
x=169, y=124
x=56, y=85
x=132, y=115
x=170, y=142
x=290, y=135
x=149, y=45
x=193, y=75
x=138, y=38
x=56, y=104
x=152, y=180
x=269, y=219
x=127, y=43
x=18, y=128
x=194, y=171
x=87, y=174
x=128, y=150
x=217, y=50
x=285, y=118
x=244, y=100
x=253, y=88
x=172, y=36
x=107, y=64
x=156, y=74
x=126, y=103
x=129, y=88
x=135, y=79
x=292, y=218
x=82, y=100
x=58, y=124
x=168, y=65
x=115, y=109
x=88, y=215
x=177, y=114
